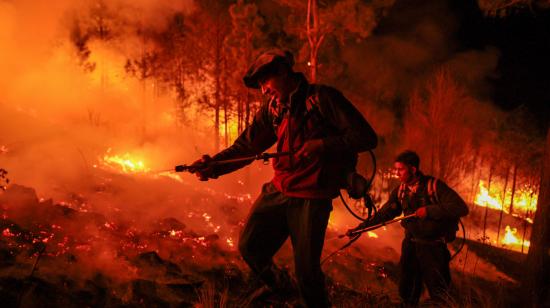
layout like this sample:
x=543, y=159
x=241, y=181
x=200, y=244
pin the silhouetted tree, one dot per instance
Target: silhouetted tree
x=144, y=68
x=334, y=21
x=211, y=28
x=437, y=125
x=244, y=42
x=179, y=62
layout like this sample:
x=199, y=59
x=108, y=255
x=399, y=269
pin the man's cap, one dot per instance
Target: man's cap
x=264, y=63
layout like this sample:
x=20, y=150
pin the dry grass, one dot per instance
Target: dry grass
x=467, y=291
x=210, y=297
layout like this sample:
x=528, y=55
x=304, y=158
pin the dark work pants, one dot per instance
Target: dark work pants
x=424, y=263
x=273, y=218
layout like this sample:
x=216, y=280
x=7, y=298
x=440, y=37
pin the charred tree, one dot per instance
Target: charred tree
x=247, y=36
x=331, y=24
x=514, y=181
x=503, y=200
x=226, y=108
x=315, y=37
x=210, y=28
x=180, y=61
x=143, y=68
x=476, y=175
x=433, y=119
x=217, y=87
x=491, y=171
x=537, y=282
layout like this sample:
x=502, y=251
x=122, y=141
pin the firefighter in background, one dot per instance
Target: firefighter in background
x=323, y=132
x=424, y=254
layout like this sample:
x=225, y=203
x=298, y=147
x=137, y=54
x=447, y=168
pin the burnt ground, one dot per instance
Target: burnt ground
x=55, y=256
x=218, y=287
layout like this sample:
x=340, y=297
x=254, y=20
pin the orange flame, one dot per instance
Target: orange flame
x=483, y=198
x=125, y=162
x=128, y=163
x=510, y=238
x=525, y=199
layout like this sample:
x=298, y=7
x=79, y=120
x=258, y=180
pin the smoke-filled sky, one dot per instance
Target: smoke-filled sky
x=53, y=111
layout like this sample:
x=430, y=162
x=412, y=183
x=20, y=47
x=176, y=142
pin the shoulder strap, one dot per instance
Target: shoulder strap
x=432, y=190
x=401, y=192
x=312, y=102
x=312, y=106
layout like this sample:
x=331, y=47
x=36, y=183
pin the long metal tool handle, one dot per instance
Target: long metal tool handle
x=263, y=156
x=359, y=231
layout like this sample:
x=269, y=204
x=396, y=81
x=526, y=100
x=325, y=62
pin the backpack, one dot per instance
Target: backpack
x=348, y=159
x=452, y=225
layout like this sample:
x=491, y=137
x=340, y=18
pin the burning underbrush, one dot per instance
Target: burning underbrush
x=136, y=239
x=130, y=236
x=95, y=237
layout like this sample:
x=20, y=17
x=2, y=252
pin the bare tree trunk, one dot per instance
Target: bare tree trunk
x=491, y=171
x=217, y=98
x=218, y=86
x=143, y=109
x=225, y=122
x=217, y=127
x=315, y=37
x=537, y=281
x=247, y=108
x=248, y=100
x=503, y=201
x=527, y=214
x=239, y=115
x=514, y=180
x=475, y=180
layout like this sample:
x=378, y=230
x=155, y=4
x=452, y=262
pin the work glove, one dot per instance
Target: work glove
x=422, y=212
x=203, y=168
x=357, y=185
x=363, y=225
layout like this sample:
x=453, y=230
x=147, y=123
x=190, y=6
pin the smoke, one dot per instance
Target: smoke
x=59, y=120
x=414, y=40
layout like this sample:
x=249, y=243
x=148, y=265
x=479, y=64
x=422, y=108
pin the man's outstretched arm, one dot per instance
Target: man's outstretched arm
x=390, y=210
x=255, y=139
